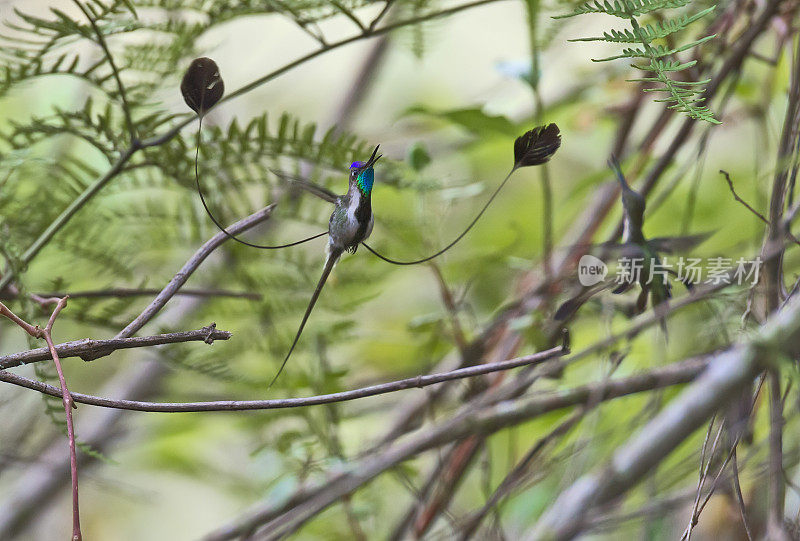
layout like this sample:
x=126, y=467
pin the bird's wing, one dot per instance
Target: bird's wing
x=315, y=189
x=670, y=245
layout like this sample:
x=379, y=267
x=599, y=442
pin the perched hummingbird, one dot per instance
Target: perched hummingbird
x=350, y=224
x=640, y=249
x=655, y=284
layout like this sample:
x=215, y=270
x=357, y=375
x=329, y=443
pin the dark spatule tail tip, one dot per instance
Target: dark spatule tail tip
x=536, y=146
x=202, y=86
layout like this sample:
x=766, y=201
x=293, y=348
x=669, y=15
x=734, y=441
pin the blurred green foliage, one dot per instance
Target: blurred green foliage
x=62, y=126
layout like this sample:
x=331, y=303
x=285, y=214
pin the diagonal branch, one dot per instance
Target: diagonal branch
x=515, y=476
x=190, y=266
x=740, y=200
x=728, y=373
x=127, y=292
x=751, y=209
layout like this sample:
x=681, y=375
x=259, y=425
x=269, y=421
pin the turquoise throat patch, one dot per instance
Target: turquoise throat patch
x=365, y=178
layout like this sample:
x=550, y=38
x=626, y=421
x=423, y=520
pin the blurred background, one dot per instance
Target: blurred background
x=445, y=99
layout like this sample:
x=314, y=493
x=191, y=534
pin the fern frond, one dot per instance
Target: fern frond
x=307, y=11
x=40, y=46
x=684, y=96
x=259, y=142
x=99, y=128
x=655, y=51
x=651, y=32
x=625, y=9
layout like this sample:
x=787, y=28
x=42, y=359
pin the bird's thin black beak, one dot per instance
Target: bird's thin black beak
x=613, y=163
x=374, y=158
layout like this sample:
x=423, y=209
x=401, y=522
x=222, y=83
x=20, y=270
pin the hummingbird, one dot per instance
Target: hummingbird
x=652, y=283
x=637, y=247
x=350, y=224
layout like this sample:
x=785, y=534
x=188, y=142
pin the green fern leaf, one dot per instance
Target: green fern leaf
x=684, y=96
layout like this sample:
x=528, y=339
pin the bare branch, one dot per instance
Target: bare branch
x=86, y=347
x=349, y=14
x=63, y=392
x=286, y=516
x=740, y=200
x=381, y=15
x=242, y=405
x=126, y=292
x=751, y=209
x=32, y=330
x=189, y=267
x=739, y=498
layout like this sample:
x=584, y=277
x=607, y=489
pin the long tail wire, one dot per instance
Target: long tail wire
x=457, y=239
x=216, y=222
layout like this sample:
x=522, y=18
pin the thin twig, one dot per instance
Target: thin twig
x=380, y=15
x=81, y=348
x=451, y=307
x=448, y=476
x=63, y=392
x=68, y=405
x=777, y=491
x=712, y=489
x=190, y=266
x=740, y=200
x=318, y=36
x=350, y=15
x=754, y=211
x=649, y=509
x=101, y=41
x=737, y=487
x=704, y=469
x=243, y=405
x=32, y=330
x=127, y=292
x=514, y=477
